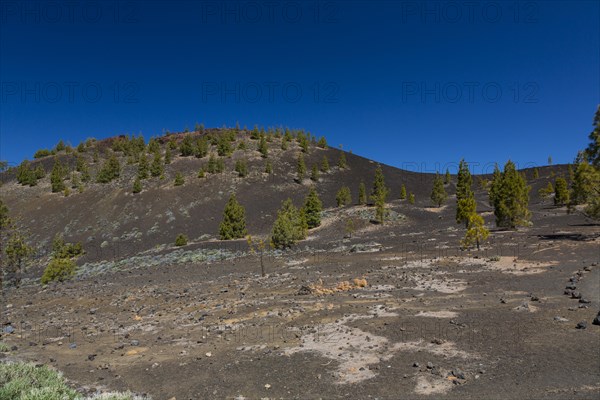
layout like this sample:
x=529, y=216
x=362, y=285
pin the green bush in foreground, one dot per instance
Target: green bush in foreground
x=59, y=269
x=25, y=381
x=181, y=240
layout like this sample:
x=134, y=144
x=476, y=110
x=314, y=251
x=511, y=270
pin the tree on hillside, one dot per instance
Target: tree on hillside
x=465, y=198
x=411, y=198
x=325, y=164
x=379, y=195
x=289, y=227
x=137, y=185
x=476, y=231
x=179, y=180
x=362, y=194
x=314, y=175
x=301, y=167
x=561, y=192
x=312, y=209
x=263, y=148
x=438, y=193
x=57, y=177
x=168, y=155
x=186, y=147
x=343, y=196
x=111, y=169
x=403, y=192
x=322, y=143
x=447, y=178
x=157, y=167
x=342, y=163
x=143, y=167
x=511, y=198
x=241, y=168
x=17, y=252
x=233, y=225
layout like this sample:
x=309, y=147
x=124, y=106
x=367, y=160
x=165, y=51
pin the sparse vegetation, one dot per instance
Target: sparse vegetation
x=343, y=196
x=411, y=198
x=362, y=194
x=241, y=168
x=476, y=233
x=110, y=170
x=179, y=180
x=181, y=240
x=314, y=175
x=290, y=226
x=561, y=192
x=342, y=163
x=438, y=193
x=509, y=194
x=403, y=192
x=233, y=225
x=312, y=209
x=300, y=167
x=379, y=195
x=465, y=198
x=325, y=165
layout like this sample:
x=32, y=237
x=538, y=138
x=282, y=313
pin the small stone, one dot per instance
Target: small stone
x=91, y=357
x=8, y=329
x=416, y=364
x=584, y=301
x=581, y=325
x=568, y=292
x=73, y=345
x=458, y=373
x=560, y=319
x=429, y=365
x=596, y=320
x=135, y=342
x=267, y=386
x=208, y=354
x=576, y=295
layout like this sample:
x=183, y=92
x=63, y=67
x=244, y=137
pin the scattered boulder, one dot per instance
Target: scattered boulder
x=596, y=320
x=575, y=295
x=560, y=319
x=581, y=325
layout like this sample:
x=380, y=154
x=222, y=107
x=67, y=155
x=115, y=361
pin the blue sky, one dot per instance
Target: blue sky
x=413, y=84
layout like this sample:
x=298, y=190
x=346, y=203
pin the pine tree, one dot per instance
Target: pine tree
x=312, y=209
x=263, y=148
x=137, y=185
x=17, y=253
x=438, y=193
x=379, y=195
x=476, y=231
x=57, y=177
x=511, y=199
x=325, y=165
x=536, y=173
x=342, y=163
x=111, y=169
x=284, y=144
x=411, y=198
x=546, y=191
x=301, y=167
x=168, y=155
x=585, y=184
x=201, y=149
x=322, y=142
x=157, y=168
x=224, y=146
x=289, y=227
x=314, y=175
x=187, y=146
x=362, y=194
x=465, y=198
x=268, y=167
x=403, y=192
x=233, y=225
x=201, y=173
x=447, y=178
x=241, y=168
x=179, y=180
x=561, y=192
x=143, y=167
x=343, y=196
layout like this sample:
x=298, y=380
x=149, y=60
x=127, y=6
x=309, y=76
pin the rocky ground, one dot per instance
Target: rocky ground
x=392, y=312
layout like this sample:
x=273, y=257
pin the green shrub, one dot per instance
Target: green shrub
x=343, y=196
x=290, y=226
x=179, y=179
x=233, y=225
x=59, y=269
x=241, y=168
x=181, y=240
x=42, y=153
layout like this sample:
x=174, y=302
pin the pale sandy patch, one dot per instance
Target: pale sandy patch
x=510, y=265
x=432, y=385
x=437, y=314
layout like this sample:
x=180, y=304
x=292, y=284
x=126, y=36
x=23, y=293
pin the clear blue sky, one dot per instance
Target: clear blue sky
x=411, y=84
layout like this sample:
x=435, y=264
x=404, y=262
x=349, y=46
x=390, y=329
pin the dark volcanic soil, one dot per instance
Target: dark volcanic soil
x=487, y=321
